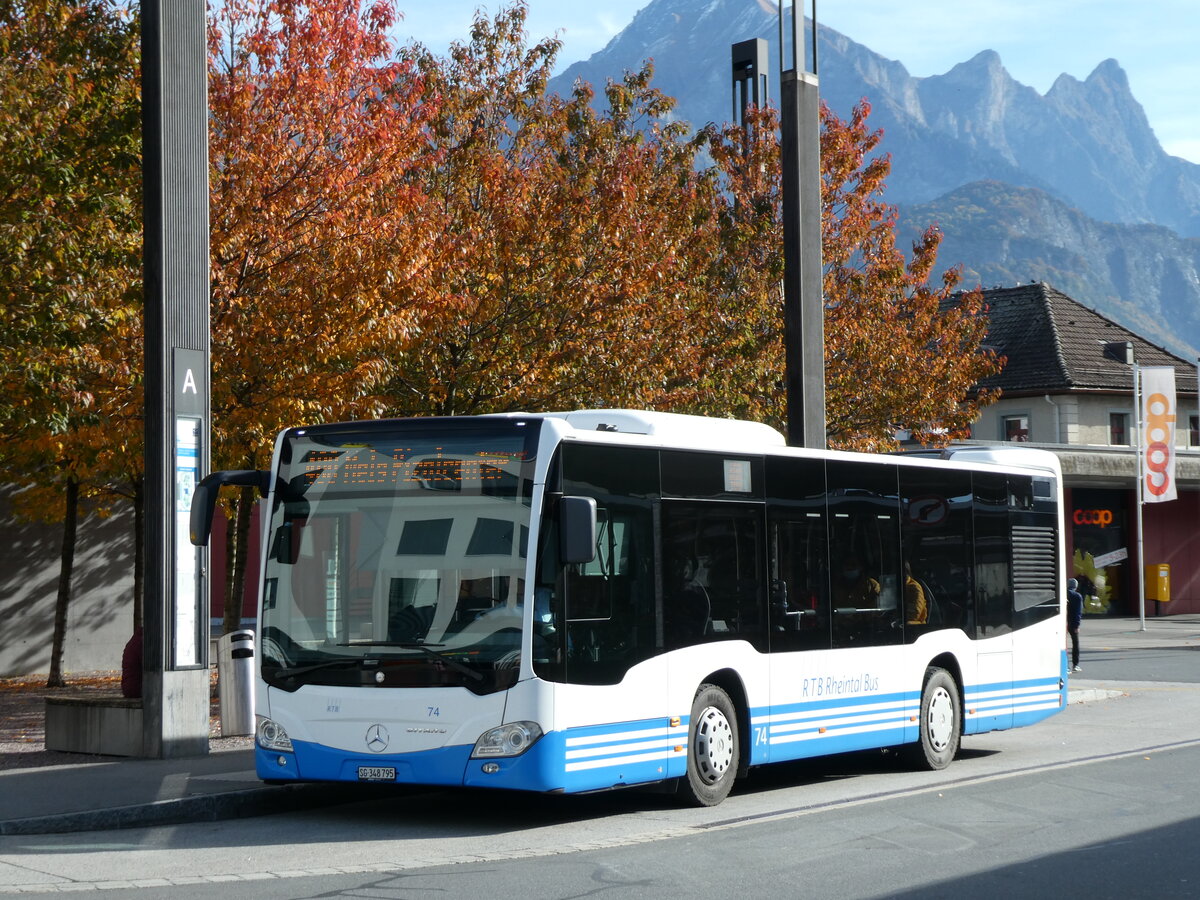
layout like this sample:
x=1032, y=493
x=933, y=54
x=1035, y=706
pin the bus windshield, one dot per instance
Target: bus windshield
x=396, y=554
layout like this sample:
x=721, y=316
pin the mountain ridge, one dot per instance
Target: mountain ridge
x=1139, y=275
x=1085, y=146
x=1086, y=141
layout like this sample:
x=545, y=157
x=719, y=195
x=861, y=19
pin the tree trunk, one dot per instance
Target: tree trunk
x=139, y=554
x=235, y=593
x=63, y=601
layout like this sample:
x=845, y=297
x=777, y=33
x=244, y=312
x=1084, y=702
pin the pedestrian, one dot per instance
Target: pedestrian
x=1074, y=617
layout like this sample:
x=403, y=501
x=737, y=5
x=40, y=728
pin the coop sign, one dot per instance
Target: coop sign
x=1101, y=517
x=1158, y=436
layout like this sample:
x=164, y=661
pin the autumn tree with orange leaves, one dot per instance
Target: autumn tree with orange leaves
x=564, y=272
x=70, y=242
x=900, y=353
x=315, y=129
x=398, y=233
x=429, y=235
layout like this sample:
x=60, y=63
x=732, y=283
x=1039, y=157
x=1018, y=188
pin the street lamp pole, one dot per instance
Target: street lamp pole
x=1122, y=351
x=1141, y=488
x=804, y=310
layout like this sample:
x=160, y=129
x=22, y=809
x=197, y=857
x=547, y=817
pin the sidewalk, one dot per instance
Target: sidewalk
x=1122, y=633
x=44, y=792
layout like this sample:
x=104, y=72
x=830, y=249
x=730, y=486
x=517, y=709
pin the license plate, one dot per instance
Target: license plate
x=376, y=773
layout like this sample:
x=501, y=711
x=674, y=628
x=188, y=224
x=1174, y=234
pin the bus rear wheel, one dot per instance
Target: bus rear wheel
x=941, y=721
x=714, y=750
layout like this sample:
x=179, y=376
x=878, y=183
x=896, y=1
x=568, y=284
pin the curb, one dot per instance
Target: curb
x=252, y=802
x=1087, y=695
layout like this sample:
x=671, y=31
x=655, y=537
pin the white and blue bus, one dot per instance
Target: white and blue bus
x=580, y=601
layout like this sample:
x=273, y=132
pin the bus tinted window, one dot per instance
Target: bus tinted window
x=712, y=556
x=797, y=554
x=864, y=553
x=711, y=476
x=1034, y=526
x=938, y=563
x=994, y=605
x=607, y=606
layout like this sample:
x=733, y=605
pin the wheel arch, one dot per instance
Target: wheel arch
x=731, y=683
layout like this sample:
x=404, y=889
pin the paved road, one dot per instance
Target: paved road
x=1178, y=664
x=1116, y=828
x=1051, y=792
x=1118, y=650
x=1072, y=794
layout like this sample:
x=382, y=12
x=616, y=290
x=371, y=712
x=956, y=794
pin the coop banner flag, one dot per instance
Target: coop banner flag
x=1157, y=446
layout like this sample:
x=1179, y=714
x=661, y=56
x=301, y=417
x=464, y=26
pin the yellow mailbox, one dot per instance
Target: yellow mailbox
x=1158, y=582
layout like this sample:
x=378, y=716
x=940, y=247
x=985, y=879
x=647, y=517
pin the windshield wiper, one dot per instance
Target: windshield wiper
x=427, y=649
x=284, y=672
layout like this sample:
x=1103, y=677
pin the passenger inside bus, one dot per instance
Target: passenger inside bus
x=916, y=605
x=855, y=589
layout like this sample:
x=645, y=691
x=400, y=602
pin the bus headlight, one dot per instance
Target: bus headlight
x=271, y=736
x=507, y=740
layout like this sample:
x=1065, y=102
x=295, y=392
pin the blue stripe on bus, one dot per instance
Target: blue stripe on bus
x=598, y=756
x=614, y=754
x=1002, y=705
x=830, y=725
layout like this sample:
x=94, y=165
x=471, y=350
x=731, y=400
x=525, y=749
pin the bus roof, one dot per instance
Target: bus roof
x=674, y=428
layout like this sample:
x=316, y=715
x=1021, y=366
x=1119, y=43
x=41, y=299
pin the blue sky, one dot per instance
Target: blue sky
x=1157, y=42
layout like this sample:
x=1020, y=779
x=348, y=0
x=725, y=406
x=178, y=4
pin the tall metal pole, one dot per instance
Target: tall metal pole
x=175, y=681
x=749, y=59
x=804, y=324
x=1141, y=495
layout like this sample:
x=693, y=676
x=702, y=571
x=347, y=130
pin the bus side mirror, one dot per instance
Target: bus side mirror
x=577, y=529
x=204, y=498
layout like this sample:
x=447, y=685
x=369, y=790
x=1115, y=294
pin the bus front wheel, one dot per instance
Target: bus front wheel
x=713, y=747
x=941, y=721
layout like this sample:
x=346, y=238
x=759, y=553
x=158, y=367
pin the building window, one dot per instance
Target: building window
x=1118, y=429
x=1194, y=431
x=1016, y=428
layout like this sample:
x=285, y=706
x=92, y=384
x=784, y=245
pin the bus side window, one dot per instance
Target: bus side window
x=606, y=607
x=799, y=600
x=797, y=554
x=993, y=583
x=1033, y=528
x=865, y=565
x=938, y=558
x=714, y=587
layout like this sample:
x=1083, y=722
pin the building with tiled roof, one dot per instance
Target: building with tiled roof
x=1062, y=390
x=1055, y=343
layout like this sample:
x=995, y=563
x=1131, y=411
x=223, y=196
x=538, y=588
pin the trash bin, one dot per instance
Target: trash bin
x=235, y=682
x=1158, y=582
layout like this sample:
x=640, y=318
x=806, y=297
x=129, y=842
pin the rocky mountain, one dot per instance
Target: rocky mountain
x=1142, y=276
x=1070, y=186
x=1086, y=142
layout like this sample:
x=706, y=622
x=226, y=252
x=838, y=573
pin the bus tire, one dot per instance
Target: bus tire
x=941, y=721
x=713, y=747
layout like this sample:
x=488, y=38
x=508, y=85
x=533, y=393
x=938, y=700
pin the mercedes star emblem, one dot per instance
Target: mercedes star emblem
x=377, y=738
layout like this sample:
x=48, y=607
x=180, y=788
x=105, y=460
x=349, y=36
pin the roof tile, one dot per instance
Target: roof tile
x=1056, y=344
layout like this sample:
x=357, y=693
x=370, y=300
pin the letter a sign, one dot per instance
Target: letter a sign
x=1157, y=444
